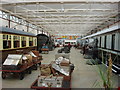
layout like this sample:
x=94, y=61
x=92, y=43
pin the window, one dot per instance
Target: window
x=113, y=42
x=23, y=39
x=14, y=18
x=105, y=41
x=17, y=19
x=71, y=42
x=30, y=41
x=8, y=16
x=25, y=23
x=16, y=40
x=33, y=26
x=30, y=25
x=100, y=42
x=22, y=21
x=5, y=16
x=11, y=18
x=6, y=41
x=0, y=13
x=35, y=42
x=67, y=42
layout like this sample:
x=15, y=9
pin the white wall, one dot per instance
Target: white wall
x=0, y=22
x=30, y=30
x=25, y=28
x=39, y=32
x=4, y=22
x=35, y=31
x=13, y=25
x=21, y=27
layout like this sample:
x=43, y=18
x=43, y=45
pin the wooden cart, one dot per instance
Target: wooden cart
x=36, y=62
x=22, y=71
x=45, y=50
x=66, y=85
x=55, y=72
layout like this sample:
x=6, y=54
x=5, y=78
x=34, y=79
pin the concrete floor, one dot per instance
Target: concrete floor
x=84, y=76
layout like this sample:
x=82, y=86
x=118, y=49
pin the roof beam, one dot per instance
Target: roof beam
x=80, y=16
x=59, y=2
x=60, y=13
x=55, y=10
x=69, y=23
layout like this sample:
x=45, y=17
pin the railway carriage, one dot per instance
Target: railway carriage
x=108, y=42
x=13, y=41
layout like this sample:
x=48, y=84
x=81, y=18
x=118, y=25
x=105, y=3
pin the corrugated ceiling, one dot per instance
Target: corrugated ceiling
x=66, y=16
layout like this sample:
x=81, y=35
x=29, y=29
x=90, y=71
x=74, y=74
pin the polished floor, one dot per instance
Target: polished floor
x=84, y=76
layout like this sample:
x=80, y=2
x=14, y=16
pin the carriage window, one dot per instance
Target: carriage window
x=30, y=41
x=6, y=41
x=72, y=43
x=67, y=42
x=16, y=40
x=113, y=42
x=23, y=39
x=35, y=41
x=105, y=41
x=100, y=42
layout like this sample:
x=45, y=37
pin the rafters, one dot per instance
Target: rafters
x=68, y=16
x=31, y=2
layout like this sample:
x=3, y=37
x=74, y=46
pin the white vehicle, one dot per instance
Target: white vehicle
x=56, y=44
x=72, y=42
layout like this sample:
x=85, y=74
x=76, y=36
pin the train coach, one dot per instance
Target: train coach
x=107, y=42
x=13, y=41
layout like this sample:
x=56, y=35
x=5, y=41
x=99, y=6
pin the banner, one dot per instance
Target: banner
x=67, y=37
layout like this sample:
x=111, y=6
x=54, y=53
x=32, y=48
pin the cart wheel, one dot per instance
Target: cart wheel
x=3, y=75
x=39, y=63
x=22, y=76
x=35, y=67
x=29, y=71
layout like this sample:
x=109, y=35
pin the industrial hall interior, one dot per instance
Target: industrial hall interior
x=59, y=44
